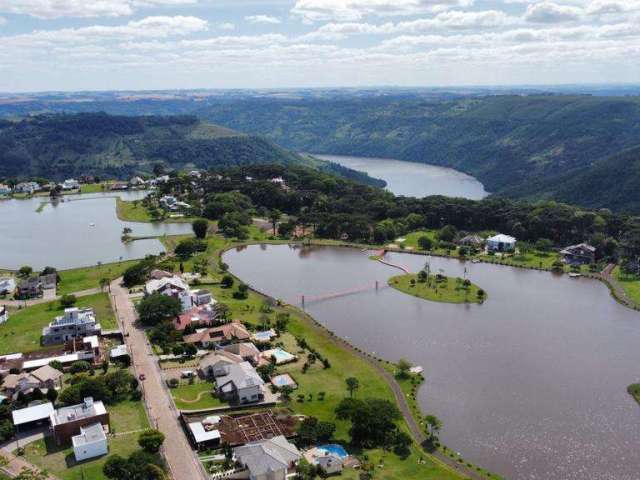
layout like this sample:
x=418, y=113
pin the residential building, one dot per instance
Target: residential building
x=26, y=418
x=219, y=335
x=240, y=384
x=173, y=286
x=66, y=422
x=44, y=378
x=91, y=442
x=168, y=201
x=475, y=241
x=27, y=187
x=119, y=352
x=7, y=285
x=84, y=352
x=73, y=324
x=199, y=316
x=49, y=281
x=205, y=434
x=581, y=254
x=70, y=184
x=271, y=459
x=29, y=288
x=202, y=297
x=246, y=350
x=4, y=314
x=5, y=189
x=118, y=186
x=214, y=364
x=501, y=243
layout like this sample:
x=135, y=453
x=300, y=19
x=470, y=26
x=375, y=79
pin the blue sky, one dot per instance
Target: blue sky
x=171, y=44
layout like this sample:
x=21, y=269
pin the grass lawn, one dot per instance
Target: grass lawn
x=629, y=282
x=79, y=279
x=132, y=211
x=634, y=391
x=197, y=396
x=447, y=290
x=125, y=416
x=23, y=330
x=93, y=188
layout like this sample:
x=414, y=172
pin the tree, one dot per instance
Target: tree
x=156, y=308
x=190, y=349
x=79, y=366
x=403, y=368
x=227, y=281
x=352, y=385
x=401, y=444
x=373, y=421
x=200, y=228
x=274, y=217
x=68, y=300
x=116, y=467
x=312, y=430
x=151, y=440
x=433, y=425
x=7, y=430
x=57, y=365
x=306, y=471
x=25, y=271
x=104, y=283
x=447, y=233
x=52, y=395
x=425, y=243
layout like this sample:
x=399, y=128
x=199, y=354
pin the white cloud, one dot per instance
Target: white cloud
x=49, y=9
x=603, y=7
x=354, y=10
x=3, y=20
x=549, y=12
x=226, y=26
x=262, y=19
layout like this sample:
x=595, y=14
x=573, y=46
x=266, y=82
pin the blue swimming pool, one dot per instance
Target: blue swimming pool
x=335, y=449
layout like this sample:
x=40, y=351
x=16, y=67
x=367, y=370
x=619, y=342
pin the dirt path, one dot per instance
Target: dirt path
x=195, y=400
x=183, y=462
x=616, y=289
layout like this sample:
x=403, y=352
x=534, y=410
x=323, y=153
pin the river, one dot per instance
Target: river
x=413, y=179
x=531, y=384
x=61, y=235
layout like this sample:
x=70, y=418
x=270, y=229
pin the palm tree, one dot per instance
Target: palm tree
x=352, y=385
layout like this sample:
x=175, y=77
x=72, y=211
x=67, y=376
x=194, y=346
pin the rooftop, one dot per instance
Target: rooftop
x=90, y=434
x=87, y=409
x=32, y=414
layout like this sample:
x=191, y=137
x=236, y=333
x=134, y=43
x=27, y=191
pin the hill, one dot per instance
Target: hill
x=62, y=146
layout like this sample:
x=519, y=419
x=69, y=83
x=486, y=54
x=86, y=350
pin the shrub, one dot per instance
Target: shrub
x=151, y=440
x=67, y=301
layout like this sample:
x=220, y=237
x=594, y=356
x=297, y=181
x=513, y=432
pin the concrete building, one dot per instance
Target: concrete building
x=240, y=384
x=271, y=459
x=501, y=243
x=66, y=422
x=172, y=286
x=70, y=184
x=91, y=442
x=73, y=324
x=31, y=416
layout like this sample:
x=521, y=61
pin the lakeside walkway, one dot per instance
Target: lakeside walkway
x=616, y=289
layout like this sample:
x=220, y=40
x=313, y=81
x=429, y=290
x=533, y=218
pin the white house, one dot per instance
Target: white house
x=271, y=459
x=501, y=243
x=240, y=384
x=70, y=184
x=172, y=286
x=7, y=285
x=90, y=443
x=4, y=314
x=31, y=415
x=5, y=189
x=27, y=187
x=74, y=323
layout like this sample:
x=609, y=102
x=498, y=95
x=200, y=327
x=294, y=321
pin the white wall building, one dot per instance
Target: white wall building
x=501, y=243
x=90, y=443
x=4, y=314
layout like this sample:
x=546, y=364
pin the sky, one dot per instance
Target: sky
x=73, y=45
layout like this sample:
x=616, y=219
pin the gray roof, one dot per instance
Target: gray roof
x=90, y=434
x=241, y=375
x=267, y=455
x=87, y=409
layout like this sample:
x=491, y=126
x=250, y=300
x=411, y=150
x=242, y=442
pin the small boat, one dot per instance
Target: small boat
x=92, y=224
x=575, y=275
x=475, y=260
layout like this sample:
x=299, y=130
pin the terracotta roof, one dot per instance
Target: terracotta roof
x=230, y=331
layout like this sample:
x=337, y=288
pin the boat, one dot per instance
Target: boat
x=575, y=275
x=92, y=224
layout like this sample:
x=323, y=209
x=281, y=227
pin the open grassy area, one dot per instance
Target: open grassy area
x=629, y=282
x=23, y=330
x=197, y=396
x=79, y=279
x=445, y=289
x=135, y=211
x=125, y=417
x=93, y=187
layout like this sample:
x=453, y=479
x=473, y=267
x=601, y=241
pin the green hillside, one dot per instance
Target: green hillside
x=61, y=146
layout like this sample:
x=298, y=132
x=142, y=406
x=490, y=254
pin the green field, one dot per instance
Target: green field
x=125, y=417
x=447, y=290
x=23, y=330
x=629, y=282
x=132, y=211
x=78, y=279
x=197, y=396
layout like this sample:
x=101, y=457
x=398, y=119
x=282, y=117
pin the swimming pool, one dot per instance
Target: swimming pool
x=335, y=449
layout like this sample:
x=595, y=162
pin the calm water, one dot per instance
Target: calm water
x=531, y=384
x=414, y=179
x=61, y=236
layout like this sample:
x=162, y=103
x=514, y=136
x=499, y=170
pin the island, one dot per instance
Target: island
x=438, y=288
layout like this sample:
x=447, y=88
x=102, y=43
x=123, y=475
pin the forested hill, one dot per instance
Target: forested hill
x=509, y=142
x=62, y=146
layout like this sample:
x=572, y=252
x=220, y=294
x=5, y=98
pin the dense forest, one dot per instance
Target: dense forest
x=341, y=209
x=62, y=146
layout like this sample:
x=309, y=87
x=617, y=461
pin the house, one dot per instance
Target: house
x=271, y=459
x=118, y=186
x=501, y=243
x=240, y=384
x=4, y=314
x=31, y=416
x=70, y=184
x=49, y=281
x=202, y=315
x=581, y=254
x=48, y=377
x=119, y=352
x=205, y=434
x=15, y=384
x=7, y=285
x=168, y=201
x=29, y=288
x=159, y=274
x=27, y=187
x=202, y=297
x=66, y=358
x=66, y=422
x=218, y=335
x=136, y=182
x=246, y=350
x=173, y=286
x=5, y=189
x=214, y=364
x=475, y=241
x=91, y=442
x=73, y=324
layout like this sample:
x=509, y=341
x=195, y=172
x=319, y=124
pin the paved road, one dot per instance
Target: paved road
x=36, y=301
x=183, y=462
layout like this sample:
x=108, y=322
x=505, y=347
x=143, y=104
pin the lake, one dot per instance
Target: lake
x=531, y=384
x=61, y=235
x=413, y=179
